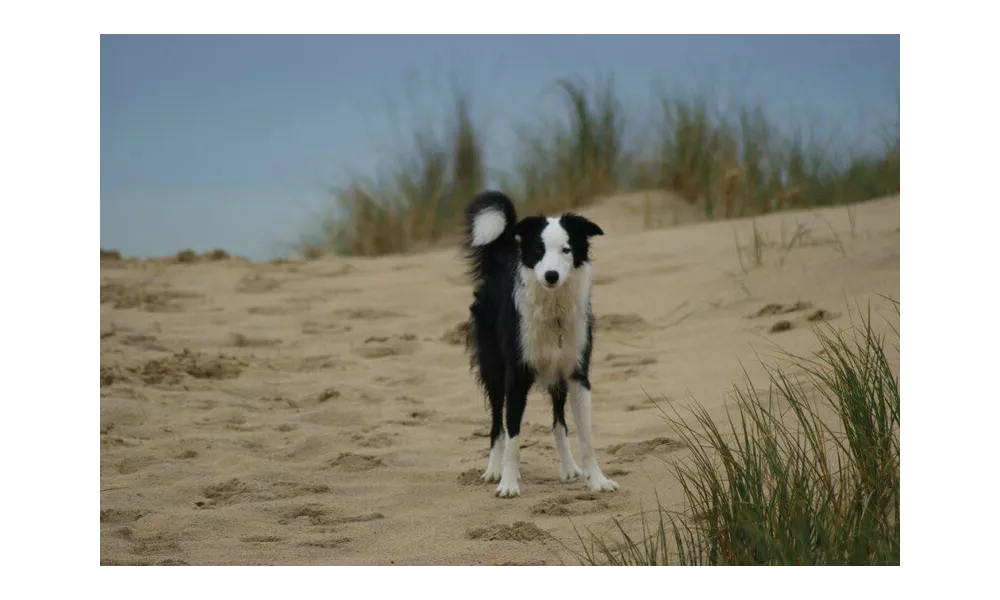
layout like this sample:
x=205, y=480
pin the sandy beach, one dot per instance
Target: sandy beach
x=323, y=412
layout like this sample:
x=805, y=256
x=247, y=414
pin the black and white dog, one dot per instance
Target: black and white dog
x=531, y=323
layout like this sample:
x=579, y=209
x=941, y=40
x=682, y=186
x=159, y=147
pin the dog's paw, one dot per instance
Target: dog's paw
x=570, y=473
x=490, y=476
x=508, y=488
x=600, y=483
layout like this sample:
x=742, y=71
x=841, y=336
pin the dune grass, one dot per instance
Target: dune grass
x=806, y=473
x=419, y=199
x=728, y=165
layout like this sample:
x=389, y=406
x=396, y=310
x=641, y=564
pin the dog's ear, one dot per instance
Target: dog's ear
x=528, y=225
x=581, y=224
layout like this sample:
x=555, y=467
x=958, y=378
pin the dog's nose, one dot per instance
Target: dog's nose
x=551, y=277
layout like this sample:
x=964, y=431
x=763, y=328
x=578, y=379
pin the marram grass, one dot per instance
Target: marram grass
x=806, y=473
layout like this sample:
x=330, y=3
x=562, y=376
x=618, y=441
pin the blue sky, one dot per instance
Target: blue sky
x=234, y=141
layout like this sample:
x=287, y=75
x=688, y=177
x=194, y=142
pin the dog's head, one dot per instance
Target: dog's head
x=553, y=247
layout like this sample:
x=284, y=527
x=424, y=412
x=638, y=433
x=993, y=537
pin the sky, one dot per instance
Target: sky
x=236, y=141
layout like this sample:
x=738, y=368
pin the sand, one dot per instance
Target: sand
x=322, y=412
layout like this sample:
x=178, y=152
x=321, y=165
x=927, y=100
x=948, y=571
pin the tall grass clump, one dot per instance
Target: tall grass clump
x=419, y=199
x=729, y=164
x=564, y=164
x=739, y=163
x=804, y=474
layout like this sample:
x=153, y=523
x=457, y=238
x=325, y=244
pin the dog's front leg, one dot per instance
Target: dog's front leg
x=579, y=394
x=518, y=383
x=567, y=466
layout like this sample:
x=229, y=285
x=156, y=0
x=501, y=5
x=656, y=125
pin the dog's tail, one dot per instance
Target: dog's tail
x=489, y=224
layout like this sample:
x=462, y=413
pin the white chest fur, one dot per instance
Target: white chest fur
x=553, y=323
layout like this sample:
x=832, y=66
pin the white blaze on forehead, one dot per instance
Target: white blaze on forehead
x=554, y=236
x=487, y=226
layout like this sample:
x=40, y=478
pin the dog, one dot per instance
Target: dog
x=531, y=324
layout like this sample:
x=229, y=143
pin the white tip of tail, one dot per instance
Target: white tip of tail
x=487, y=226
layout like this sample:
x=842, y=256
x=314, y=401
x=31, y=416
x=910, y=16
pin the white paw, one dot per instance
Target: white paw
x=509, y=488
x=490, y=476
x=571, y=473
x=600, y=483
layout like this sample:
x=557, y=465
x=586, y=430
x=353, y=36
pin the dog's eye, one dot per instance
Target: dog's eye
x=540, y=248
x=566, y=250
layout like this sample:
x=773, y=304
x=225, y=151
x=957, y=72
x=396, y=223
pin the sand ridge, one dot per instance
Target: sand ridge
x=323, y=412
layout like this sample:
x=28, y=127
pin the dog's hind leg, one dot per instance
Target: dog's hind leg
x=519, y=381
x=494, y=385
x=568, y=470
x=579, y=392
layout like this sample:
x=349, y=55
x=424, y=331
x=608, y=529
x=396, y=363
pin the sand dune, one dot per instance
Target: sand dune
x=323, y=413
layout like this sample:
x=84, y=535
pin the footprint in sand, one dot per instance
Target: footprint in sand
x=285, y=490
x=313, y=514
x=242, y=341
x=383, y=346
x=309, y=401
x=782, y=325
x=318, y=328
x=413, y=418
x=349, y=461
x=399, y=379
x=365, y=314
x=317, y=514
x=639, y=450
x=166, y=562
x=338, y=272
x=307, y=364
x=649, y=403
x=326, y=543
x=408, y=400
x=470, y=477
x=144, y=341
x=630, y=360
x=518, y=531
x=821, y=315
x=570, y=505
x=236, y=491
x=134, y=464
x=275, y=311
x=769, y=310
x=145, y=296
x=364, y=518
x=173, y=369
x=261, y=539
x=157, y=543
x=620, y=322
x=122, y=515
x=624, y=375
x=457, y=334
x=112, y=374
x=378, y=440
x=255, y=284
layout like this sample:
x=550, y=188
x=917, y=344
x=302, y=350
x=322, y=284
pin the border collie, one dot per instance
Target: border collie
x=531, y=324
